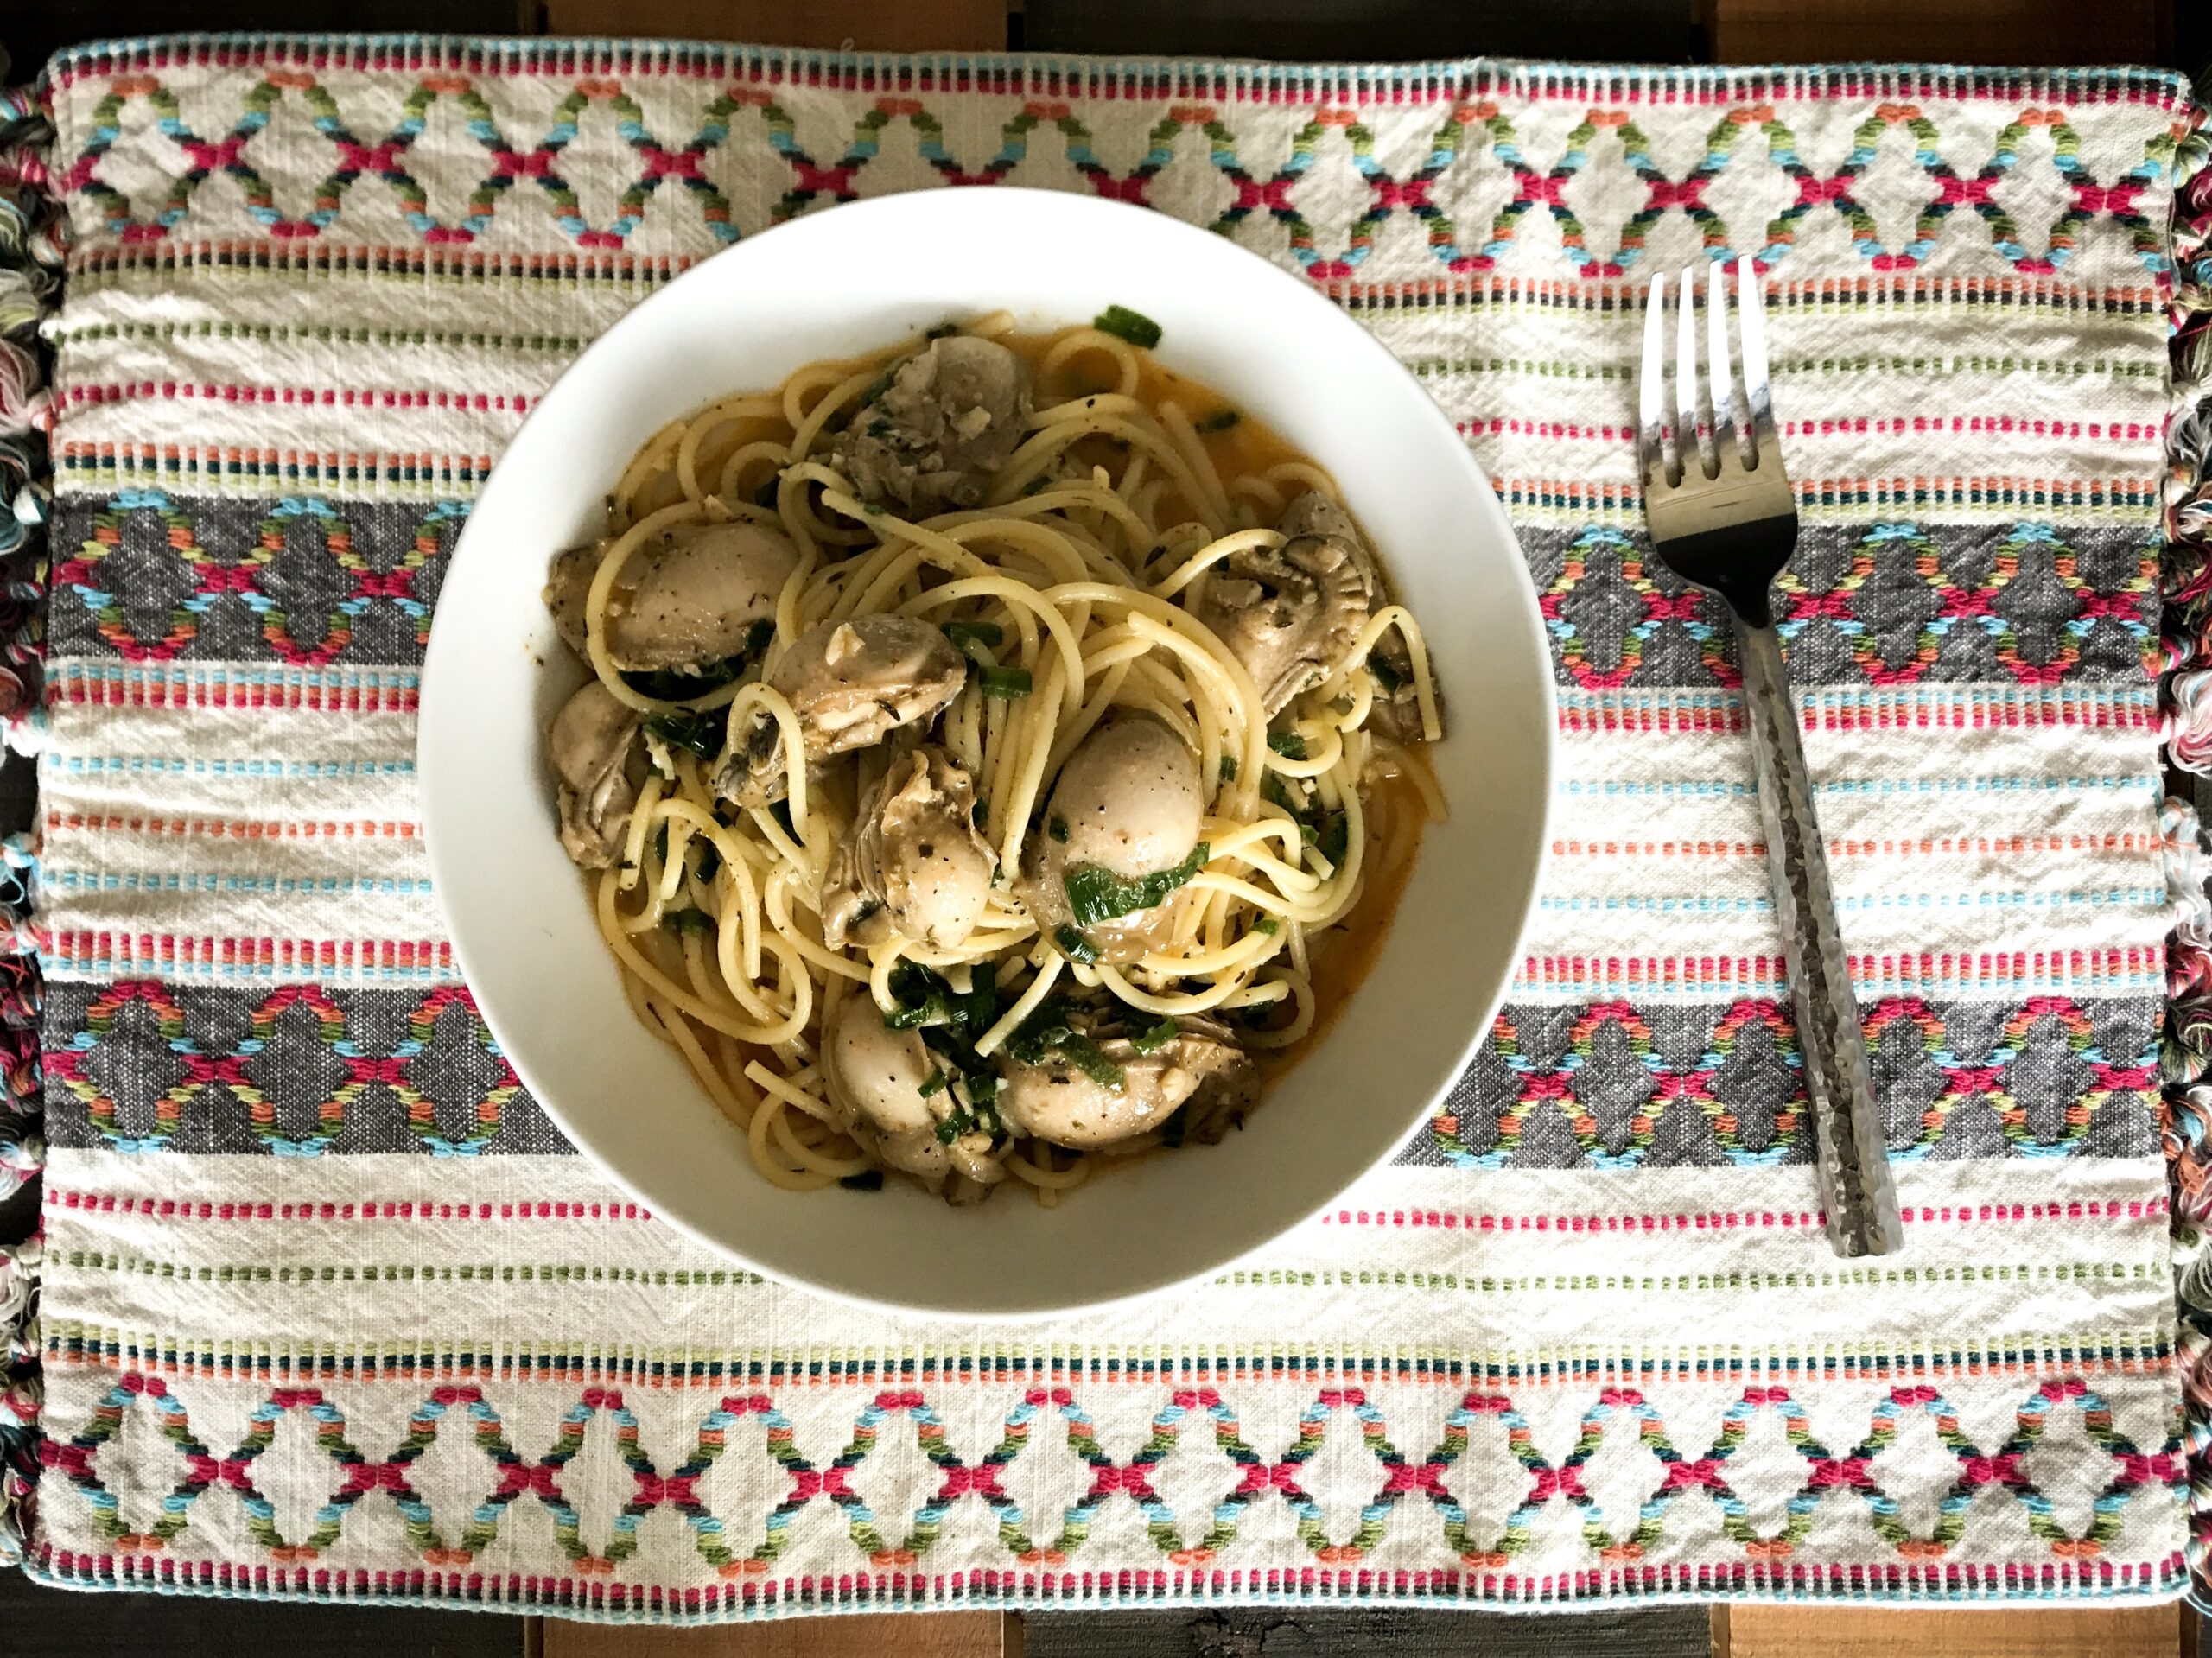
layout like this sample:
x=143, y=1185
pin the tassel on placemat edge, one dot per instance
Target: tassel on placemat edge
x=32, y=236
x=2185, y=712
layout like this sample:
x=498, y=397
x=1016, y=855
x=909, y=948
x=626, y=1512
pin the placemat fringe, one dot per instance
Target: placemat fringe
x=32, y=234
x=2185, y=1051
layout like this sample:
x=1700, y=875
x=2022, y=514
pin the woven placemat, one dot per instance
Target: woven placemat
x=329, y=1310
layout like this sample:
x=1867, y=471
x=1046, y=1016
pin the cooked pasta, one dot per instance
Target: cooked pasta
x=1000, y=757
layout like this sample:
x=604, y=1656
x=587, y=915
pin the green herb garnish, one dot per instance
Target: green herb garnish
x=1268, y=924
x=1046, y=1033
x=1057, y=829
x=1152, y=1040
x=1288, y=744
x=687, y=919
x=1037, y=486
x=966, y=637
x=1122, y=323
x=1335, y=838
x=1096, y=895
x=1005, y=684
x=1220, y=421
x=1074, y=945
x=924, y=997
x=1229, y=768
x=699, y=731
x=866, y=1181
x=932, y=1084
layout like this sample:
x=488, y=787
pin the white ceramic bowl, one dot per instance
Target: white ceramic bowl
x=832, y=284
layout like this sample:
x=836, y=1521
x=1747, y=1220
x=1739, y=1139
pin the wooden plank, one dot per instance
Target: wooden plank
x=38, y=1622
x=2047, y=1631
x=1331, y=31
x=864, y=1635
x=868, y=25
x=1369, y=1632
x=1953, y=31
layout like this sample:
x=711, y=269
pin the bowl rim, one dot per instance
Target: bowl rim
x=1481, y=497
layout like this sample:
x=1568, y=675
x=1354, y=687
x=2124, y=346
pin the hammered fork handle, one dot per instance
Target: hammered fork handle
x=1856, y=1191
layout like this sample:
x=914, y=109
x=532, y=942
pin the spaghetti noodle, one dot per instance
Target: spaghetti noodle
x=1000, y=757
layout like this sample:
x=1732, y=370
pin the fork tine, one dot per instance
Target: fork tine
x=1716, y=361
x=1687, y=447
x=1751, y=303
x=1651, y=386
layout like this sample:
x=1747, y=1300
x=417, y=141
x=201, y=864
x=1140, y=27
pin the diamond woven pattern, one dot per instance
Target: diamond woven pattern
x=329, y=1310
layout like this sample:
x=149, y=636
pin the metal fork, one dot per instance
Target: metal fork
x=1724, y=517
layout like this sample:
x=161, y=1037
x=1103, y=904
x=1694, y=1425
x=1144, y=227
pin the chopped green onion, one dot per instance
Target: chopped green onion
x=1229, y=768
x=1158, y=1037
x=1335, y=838
x=700, y=731
x=1037, y=486
x=967, y=636
x=1267, y=924
x=1096, y=895
x=1057, y=829
x=1122, y=323
x=1046, y=1033
x=1005, y=684
x=1288, y=744
x=1074, y=945
x=866, y=1181
x=932, y=1084
x=688, y=919
x=983, y=1089
x=1220, y=421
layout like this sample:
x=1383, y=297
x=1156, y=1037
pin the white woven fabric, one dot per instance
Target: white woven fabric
x=1589, y=1341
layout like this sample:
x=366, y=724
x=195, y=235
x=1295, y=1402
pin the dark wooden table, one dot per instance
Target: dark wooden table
x=38, y=1623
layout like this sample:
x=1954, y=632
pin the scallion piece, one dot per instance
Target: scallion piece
x=1005, y=684
x=966, y=637
x=1152, y=1040
x=1122, y=323
x=1288, y=744
x=1096, y=895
